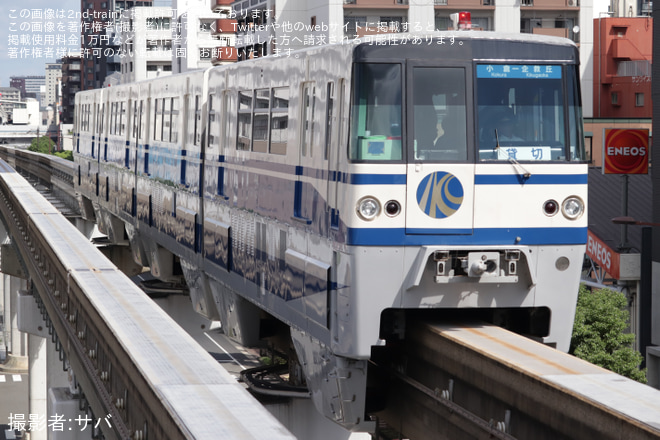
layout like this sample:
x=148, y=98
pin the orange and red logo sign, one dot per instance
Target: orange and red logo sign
x=626, y=151
x=602, y=254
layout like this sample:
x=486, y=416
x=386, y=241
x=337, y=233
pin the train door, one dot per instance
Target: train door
x=302, y=194
x=440, y=177
x=98, y=138
x=333, y=150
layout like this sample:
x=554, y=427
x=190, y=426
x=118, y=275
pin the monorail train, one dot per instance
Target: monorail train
x=341, y=190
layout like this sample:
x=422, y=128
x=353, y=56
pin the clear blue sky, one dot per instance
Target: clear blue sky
x=33, y=32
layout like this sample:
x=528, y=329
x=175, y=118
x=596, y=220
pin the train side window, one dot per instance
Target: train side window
x=260, y=121
x=158, y=115
x=135, y=130
x=96, y=115
x=100, y=121
x=330, y=101
x=113, y=118
x=167, y=119
x=198, y=118
x=174, y=121
x=111, y=113
x=224, y=124
x=279, y=120
x=143, y=120
x=244, y=140
x=122, y=118
x=307, y=119
x=212, y=123
x=375, y=131
x=576, y=143
x=83, y=125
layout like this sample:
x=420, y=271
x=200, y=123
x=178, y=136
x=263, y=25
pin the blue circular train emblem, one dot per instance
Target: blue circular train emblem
x=440, y=194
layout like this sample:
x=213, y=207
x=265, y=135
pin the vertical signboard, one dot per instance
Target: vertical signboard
x=626, y=151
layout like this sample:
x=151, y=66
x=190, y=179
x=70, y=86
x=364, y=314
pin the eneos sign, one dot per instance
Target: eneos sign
x=626, y=151
x=602, y=254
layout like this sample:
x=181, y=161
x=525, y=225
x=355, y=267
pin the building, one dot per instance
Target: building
x=622, y=67
x=202, y=34
x=100, y=39
x=71, y=84
x=261, y=30
x=10, y=98
x=622, y=62
x=30, y=86
x=224, y=33
x=53, y=83
x=146, y=42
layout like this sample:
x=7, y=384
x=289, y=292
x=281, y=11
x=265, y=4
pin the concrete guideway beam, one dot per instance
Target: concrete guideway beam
x=518, y=387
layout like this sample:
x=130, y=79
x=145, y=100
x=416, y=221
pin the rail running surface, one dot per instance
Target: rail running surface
x=132, y=361
x=481, y=381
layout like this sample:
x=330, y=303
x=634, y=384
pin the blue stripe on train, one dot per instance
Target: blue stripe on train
x=534, y=179
x=479, y=179
x=479, y=237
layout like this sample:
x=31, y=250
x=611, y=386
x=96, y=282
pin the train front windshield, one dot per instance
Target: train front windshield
x=524, y=112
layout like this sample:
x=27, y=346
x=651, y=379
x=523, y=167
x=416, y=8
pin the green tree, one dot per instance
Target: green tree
x=599, y=333
x=42, y=144
x=67, y=154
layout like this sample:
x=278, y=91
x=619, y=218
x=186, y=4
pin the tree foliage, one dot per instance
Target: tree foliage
x=42, y=144
x=66, y=154
x=600, y=333
x=45, y=145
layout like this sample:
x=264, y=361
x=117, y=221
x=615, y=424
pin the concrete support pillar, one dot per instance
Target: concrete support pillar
x=38, y=365
x=45, y=369
x=17, y=341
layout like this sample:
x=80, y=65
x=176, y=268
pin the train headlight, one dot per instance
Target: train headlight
x=368, y=208
x=572, y=208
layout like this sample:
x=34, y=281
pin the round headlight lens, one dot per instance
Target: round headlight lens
x=368, y=208
x=572, y=208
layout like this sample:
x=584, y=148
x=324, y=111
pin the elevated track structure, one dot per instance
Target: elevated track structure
x=132, y=363
x=479, y=381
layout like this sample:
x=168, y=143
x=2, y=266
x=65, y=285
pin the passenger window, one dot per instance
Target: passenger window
x=174, y=128
x=279, y=120
x=212, y=123
x=158, y=119
x=307, y=120
x=122, y=118
x=439, y=114
x=260, y=118
x=375, y=131
x=244, y=140
x=330, y=101
x=197, y=135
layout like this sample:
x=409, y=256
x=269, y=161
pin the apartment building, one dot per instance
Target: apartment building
x=146, y=42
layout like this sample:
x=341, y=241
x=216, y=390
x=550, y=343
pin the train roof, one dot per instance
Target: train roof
x=470, y=45
x=465, y=45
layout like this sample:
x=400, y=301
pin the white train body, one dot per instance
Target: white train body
x=302, y=190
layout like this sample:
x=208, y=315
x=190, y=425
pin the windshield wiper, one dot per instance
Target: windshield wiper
x=516, y=165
